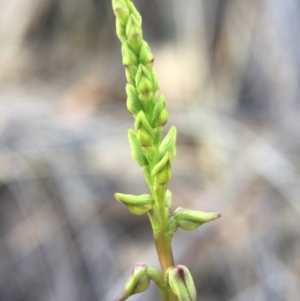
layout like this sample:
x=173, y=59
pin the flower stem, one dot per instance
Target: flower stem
x=164, y=251
x=159, y=218
x=148, y=107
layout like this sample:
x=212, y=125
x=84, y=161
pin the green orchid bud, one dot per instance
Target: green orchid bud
x=155, y=81
x=121, y=10
x=130, y=71
x=134, y=31
x=137, y=204
x=136, y=149
x=168, y=145
x=142, y=73
x=162, y=170
x=129, y=58
x=145, y=90
x=181, y=283
x=146, y=56
x=135, y=12
x=134, y=106
x=144, y=138
x=143, y=282
x=121, y=31
x=137, y=283
x=144, y=132
x=144, y=84
x=191, y=219
x=160, y=114
x=162, y=118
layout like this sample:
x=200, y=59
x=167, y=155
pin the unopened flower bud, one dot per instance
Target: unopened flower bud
x=121, y=30
x=163, y=117
x=134, y=31
x=181, y=283
x=160, y=113
x=162, y=170
x=168, y=145
x=136, y=149
x=146, y=56
x=144, y=137
x=137, y=204
x=130, y=71
x=191, y=219
x=129, y=58
x=144, y=84
x=142, y=72
x=137, y=283
x=121, y=10
x=134, y=12
x=134, y=106
x=154, y=78
x=144, y=132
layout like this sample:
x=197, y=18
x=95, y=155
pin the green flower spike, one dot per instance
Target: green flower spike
x=181, y=283
x=154, y=155
x=137, y=204
x=191, y=219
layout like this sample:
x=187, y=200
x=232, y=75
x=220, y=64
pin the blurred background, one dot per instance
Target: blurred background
x=230, y=70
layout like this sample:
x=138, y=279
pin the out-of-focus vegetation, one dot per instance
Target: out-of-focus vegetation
x=233, y=84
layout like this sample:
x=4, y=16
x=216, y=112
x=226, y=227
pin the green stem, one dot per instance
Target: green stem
x=162, y=239
x=164, y=249
x=159, y=217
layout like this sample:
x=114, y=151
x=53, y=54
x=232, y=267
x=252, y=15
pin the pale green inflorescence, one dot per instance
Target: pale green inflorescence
x=147, y=106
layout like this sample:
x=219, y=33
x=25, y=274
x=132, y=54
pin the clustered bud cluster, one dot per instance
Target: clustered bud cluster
x=148, y=107
x=144, y=101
